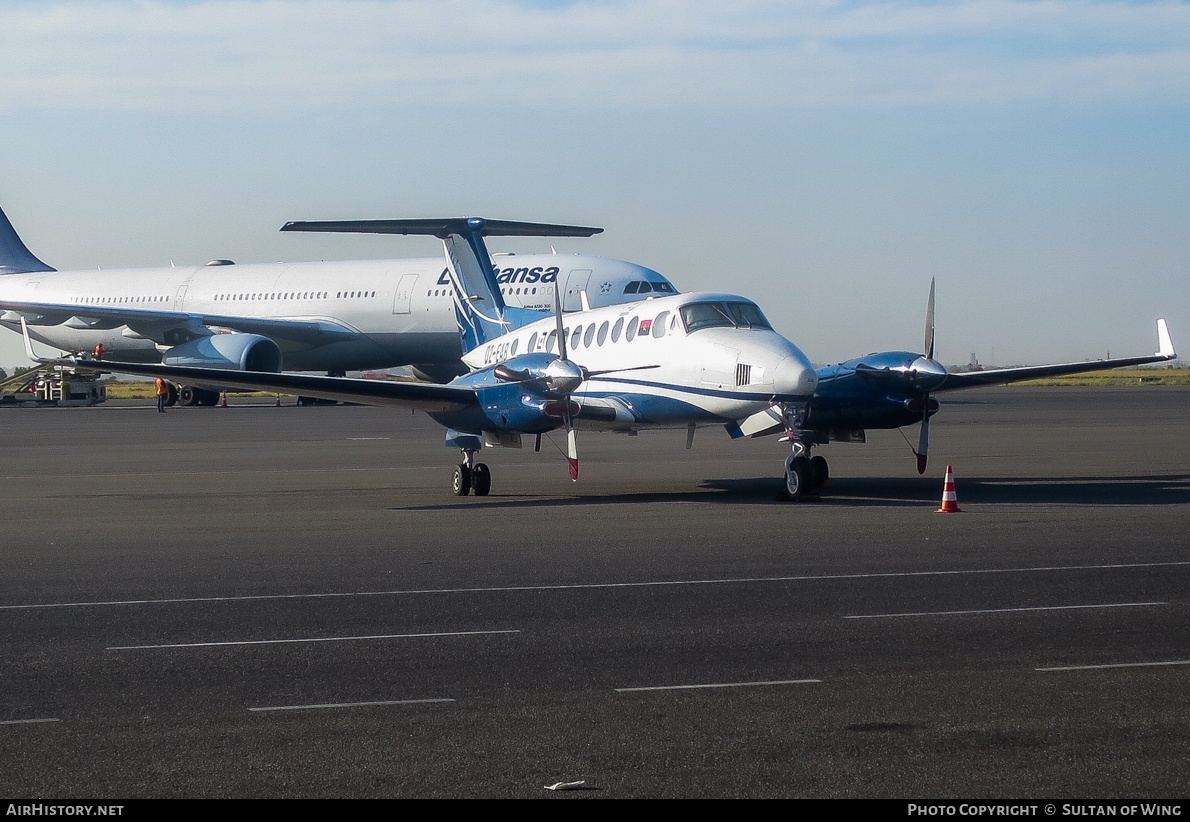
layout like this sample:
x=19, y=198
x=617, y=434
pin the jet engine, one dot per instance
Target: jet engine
x=246, y=352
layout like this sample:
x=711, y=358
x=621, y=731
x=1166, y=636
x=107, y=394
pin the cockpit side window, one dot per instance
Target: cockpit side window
x=663, y=288
x=631, y=288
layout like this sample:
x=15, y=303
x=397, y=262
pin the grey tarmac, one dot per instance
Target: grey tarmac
x=280, y=602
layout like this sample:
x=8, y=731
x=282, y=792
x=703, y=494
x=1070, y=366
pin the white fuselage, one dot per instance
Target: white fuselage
x=680, y=376
x=400, y=310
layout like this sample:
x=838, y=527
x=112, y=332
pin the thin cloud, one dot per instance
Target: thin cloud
x=653, y=54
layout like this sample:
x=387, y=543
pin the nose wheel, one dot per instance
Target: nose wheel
x=797, y=477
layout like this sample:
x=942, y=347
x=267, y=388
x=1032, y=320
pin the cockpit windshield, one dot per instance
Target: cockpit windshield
x=697, y=316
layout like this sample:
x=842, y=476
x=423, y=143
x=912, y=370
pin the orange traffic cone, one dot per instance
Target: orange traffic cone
x=950, y=500
x=224, y=403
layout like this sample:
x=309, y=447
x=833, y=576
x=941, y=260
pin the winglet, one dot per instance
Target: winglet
x=1165, y=342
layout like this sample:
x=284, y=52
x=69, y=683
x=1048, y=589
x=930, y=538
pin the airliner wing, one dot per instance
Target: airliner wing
x=419, y=396
x=1000, y=376
x=173, y=327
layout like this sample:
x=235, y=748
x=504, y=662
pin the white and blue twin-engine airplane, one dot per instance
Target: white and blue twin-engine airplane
x=680, y=361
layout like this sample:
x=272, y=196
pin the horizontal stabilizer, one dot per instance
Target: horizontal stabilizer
x=443, y=228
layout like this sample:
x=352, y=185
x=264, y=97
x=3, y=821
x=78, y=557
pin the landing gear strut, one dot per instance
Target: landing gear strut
x=470, y=475
x=804, y=474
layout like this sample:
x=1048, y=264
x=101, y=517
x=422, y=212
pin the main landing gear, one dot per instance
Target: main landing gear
x=470, y=475
x=804, y=474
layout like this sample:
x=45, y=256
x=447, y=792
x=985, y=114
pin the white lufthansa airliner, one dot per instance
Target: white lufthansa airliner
x=310, y=316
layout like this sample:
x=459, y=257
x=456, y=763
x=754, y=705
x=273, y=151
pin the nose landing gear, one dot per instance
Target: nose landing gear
x=804, y=474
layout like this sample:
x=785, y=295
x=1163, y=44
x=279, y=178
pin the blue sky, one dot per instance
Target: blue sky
x=823, y=158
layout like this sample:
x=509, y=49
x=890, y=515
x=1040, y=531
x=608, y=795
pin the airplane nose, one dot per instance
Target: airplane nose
x=795, y=376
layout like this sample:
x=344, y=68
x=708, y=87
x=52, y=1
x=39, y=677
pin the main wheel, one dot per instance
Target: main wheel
x=460, y=480
x=171, y=395
x=797, y=471
x=188, y=395
x=208, y=398
x=820, y=473
x=481, y=479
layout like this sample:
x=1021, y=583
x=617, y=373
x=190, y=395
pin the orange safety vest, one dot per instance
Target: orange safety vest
x=161, y=389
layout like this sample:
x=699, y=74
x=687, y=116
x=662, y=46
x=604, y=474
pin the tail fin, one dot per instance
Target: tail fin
x=479, y=304
x=14, y=257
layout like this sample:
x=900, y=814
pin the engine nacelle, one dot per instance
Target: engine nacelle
x=244, y=352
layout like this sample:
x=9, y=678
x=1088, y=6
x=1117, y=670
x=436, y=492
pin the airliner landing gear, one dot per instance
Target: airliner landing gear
x=191, y=396
x=469, y=476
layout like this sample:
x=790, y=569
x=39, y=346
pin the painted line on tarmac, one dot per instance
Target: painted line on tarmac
x=348, y=705
x=28, y=721
x=1007, y=610
x=719, y=685
x=305, y=639
x=601, y=585
x=1114, y=665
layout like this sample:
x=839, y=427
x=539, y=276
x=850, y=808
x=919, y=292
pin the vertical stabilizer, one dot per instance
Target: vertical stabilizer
x=15, y=258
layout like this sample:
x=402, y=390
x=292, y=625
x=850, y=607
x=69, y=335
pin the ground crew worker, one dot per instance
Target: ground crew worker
x=99, y=351
x=162, y=393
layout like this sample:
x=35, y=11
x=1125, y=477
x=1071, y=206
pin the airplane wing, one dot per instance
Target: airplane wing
x=1001, y=376
x=173, y=327
x=419, y=396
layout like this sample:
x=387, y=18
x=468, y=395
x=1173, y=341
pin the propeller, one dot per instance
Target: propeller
x=571, y=442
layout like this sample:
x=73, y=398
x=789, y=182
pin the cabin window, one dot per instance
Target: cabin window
x=616, y=329
x=589, y=337
x=602, y=333
x=549, y=343
x=578, y=333
x=630, y=333
x=532, y=343
x=659, y=324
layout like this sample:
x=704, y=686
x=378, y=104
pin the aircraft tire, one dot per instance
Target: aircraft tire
x=460, y=480
x=797, y=471
x=481, y=479
x=189, y=395
x=820, y=473
x=171, y=395
x=208, y=398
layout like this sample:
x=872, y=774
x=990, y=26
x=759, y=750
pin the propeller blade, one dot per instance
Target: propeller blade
x=923, y=440
x=571, y=451
x=929, y=348
x=619, y=370
x=558, y=319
